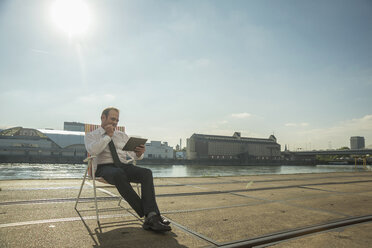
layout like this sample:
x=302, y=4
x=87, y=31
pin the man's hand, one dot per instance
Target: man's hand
x=139, y=150
x=109, y=129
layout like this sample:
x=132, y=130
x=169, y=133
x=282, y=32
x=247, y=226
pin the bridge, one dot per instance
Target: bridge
x=349, y=155
x=347, y=152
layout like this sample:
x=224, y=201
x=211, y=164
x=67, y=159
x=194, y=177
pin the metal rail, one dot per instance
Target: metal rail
x=295, y=233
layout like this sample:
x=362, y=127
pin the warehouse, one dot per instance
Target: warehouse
x=20, y=144
x=211, y=147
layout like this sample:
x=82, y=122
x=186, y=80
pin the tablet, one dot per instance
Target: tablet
x=133, y=143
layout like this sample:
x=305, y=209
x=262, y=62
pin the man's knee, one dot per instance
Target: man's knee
x=147, y=173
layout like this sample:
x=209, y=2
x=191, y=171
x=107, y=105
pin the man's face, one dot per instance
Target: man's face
x=112, y=118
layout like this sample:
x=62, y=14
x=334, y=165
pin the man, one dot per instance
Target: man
x=106, y=143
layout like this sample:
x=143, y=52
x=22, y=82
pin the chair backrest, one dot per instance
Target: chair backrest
x=90, y=128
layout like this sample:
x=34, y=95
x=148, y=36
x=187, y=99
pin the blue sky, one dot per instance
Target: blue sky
x=299, y=69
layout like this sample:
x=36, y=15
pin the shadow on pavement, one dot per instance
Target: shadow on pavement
x=130, y=236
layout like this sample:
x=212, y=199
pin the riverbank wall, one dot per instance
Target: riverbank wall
x=57, y=159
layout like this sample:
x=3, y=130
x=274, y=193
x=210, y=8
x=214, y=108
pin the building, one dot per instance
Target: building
x=20, y=144
x=201, y=146
x=357, y=142
x=73, y=126
x=158, y=150
x=180, y=155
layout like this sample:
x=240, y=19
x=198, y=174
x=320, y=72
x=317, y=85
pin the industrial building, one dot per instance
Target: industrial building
x=30, y=145
x=74, y=126
x=357, y=142
x=20, y=144
x=215, y=147
x=158, y=150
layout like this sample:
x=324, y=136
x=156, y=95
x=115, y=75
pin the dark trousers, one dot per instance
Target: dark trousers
x=122, y=176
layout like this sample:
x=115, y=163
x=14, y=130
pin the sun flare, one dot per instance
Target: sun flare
x=71, y=16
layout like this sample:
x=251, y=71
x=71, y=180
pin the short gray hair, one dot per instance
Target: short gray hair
x=106, y=111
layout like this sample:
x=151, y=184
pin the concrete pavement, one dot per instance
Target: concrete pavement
x=297, y=210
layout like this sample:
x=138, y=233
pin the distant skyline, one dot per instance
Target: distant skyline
x=301, y=70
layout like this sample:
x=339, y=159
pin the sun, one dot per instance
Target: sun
x=71, y=16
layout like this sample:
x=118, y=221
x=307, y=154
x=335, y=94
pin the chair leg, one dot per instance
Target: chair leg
x=95, y=200
x=138, y=190
x=81, y=187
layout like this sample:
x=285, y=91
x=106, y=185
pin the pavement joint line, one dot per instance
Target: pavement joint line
x=252, y=197
x=212, y=208
x=307, y=187
x=268, y=239
x=269, y=201
x=174, y=183
x=189, y=184
x=256, y=189
x=93, y=217
x=335, y=191
x=265, y=181
x=283, y=180
x=42, y=188
x=313, y=209
x=285, y=202
x=61, y=187
x=194, y=233
x=68, y=219
x=57, y=200
x=189, y=193
x=194, y=186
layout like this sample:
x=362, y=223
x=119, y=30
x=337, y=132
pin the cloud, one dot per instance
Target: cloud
x=39, y=51
x=353, y=127
x=302, y=124
x=241, y=115
x=291, y=125
x=337, y=135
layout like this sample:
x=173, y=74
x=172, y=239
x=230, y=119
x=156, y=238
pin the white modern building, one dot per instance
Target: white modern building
x=158, y=150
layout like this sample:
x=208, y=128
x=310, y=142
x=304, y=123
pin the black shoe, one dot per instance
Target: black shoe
x=154, y=223
x=164, y=221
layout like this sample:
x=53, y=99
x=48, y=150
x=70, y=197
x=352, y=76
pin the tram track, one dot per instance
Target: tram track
x=273, y=238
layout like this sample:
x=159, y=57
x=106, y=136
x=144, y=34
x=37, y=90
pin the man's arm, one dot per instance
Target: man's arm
x=95, y=143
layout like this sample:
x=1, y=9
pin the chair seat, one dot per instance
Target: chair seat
x=101, y=179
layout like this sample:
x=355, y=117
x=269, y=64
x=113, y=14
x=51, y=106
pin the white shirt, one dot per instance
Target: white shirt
x=96, y=143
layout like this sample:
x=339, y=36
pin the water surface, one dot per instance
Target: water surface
x=10, y=171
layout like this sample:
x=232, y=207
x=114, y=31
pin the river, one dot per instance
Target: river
x=9, y=171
